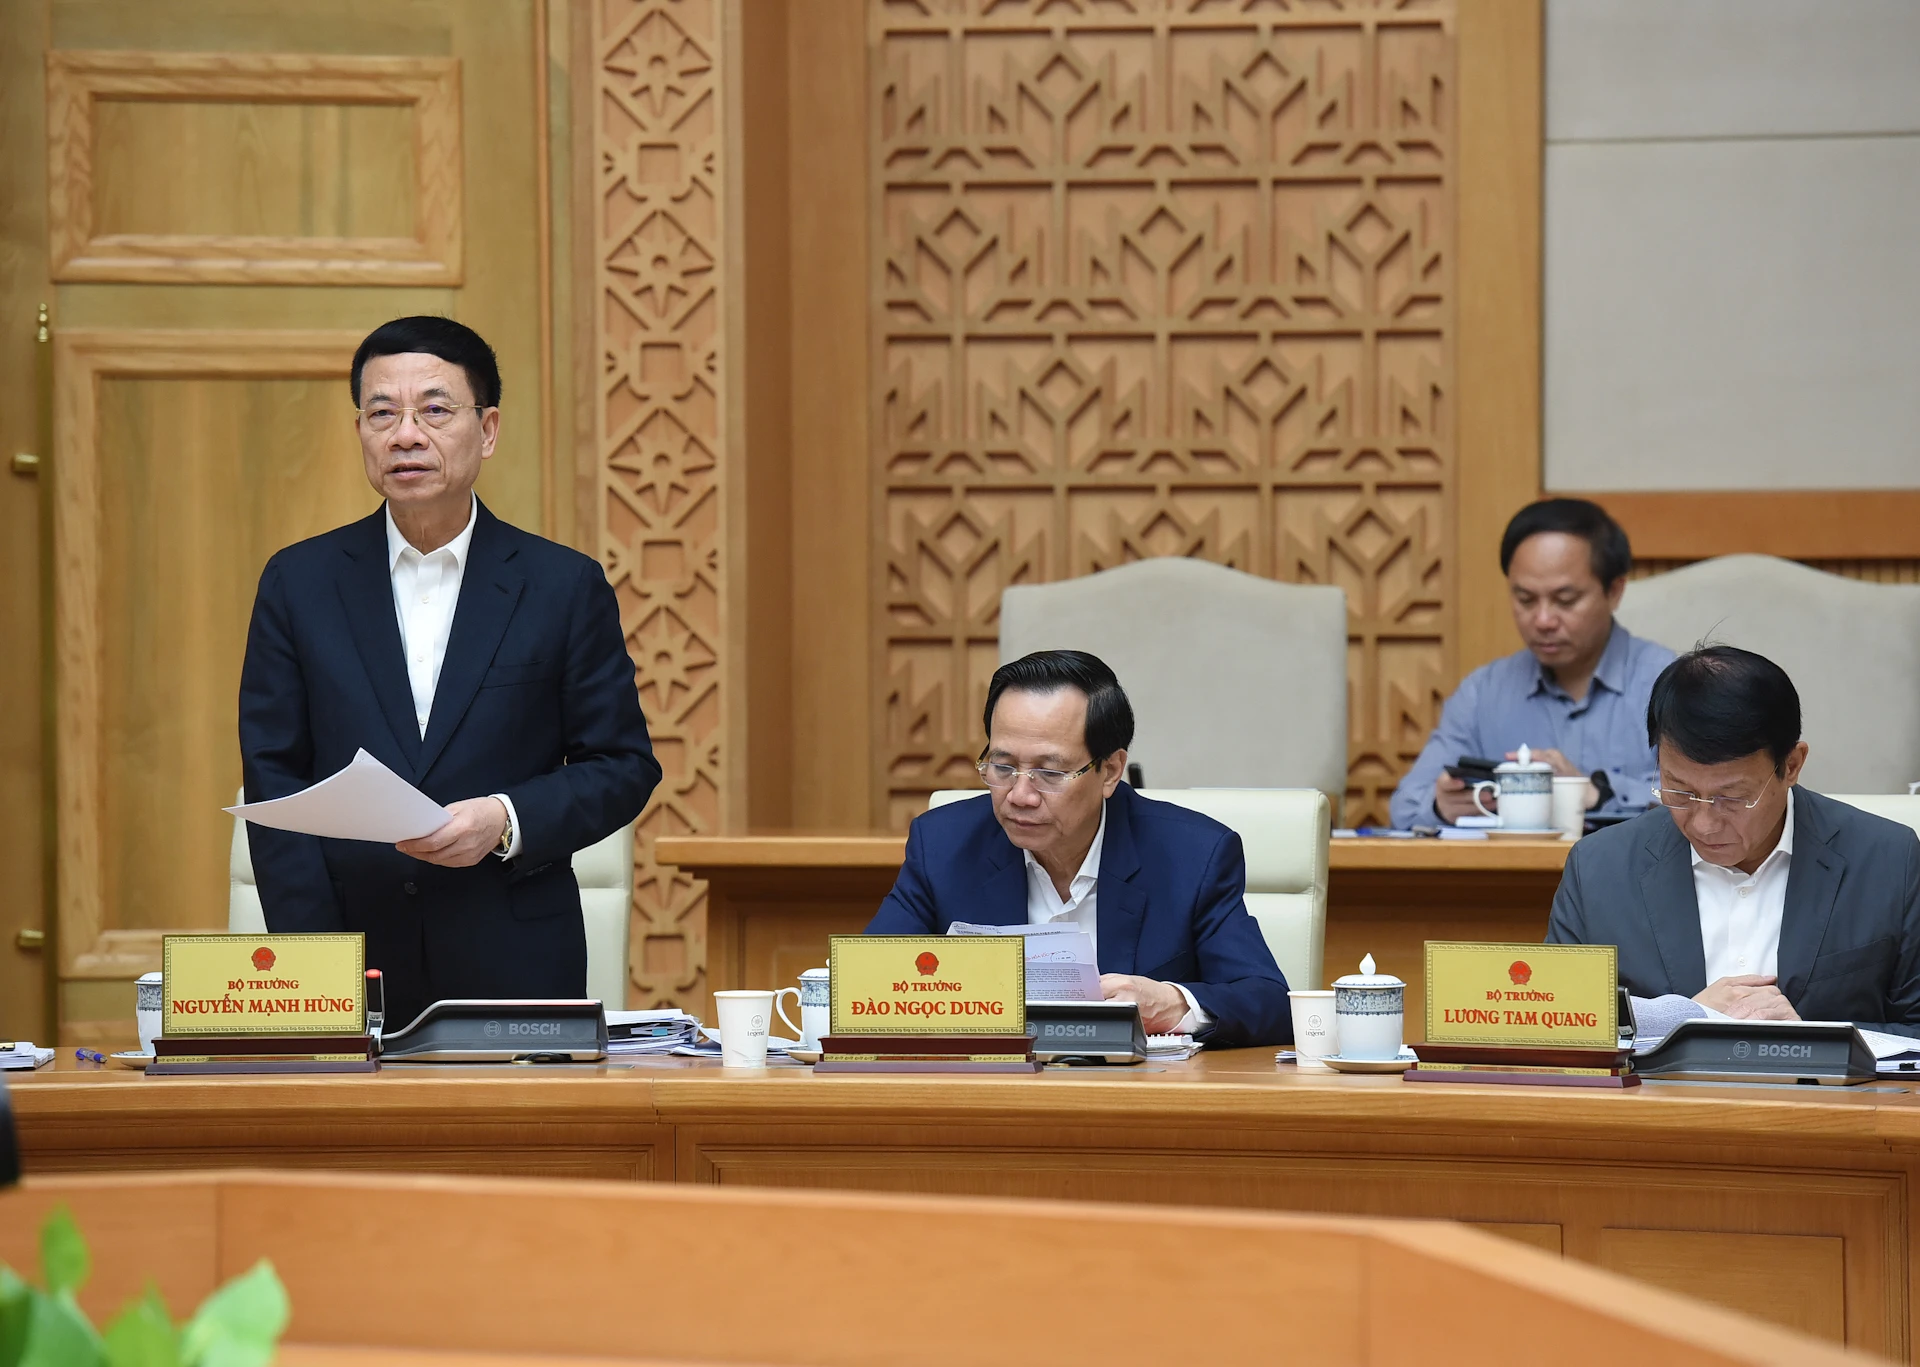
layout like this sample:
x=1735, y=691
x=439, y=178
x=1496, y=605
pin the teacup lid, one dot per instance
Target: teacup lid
x=1366, y=977
x=1525, y=764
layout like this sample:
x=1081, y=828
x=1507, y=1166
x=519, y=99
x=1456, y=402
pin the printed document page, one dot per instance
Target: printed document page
x=1060, y=963
x=364, y=801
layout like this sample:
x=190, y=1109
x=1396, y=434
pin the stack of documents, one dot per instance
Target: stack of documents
x=21, y=1056
x=649, y=1032
x=1060, y=964
x=1171, y=1048
x=1893, y=1053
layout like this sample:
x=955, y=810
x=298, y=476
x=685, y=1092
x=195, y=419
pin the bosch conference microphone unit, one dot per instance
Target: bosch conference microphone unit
x=501, y=1032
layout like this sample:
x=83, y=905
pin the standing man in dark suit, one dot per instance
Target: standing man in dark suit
x=481, y=663
x=1742, y=893
x=1059, y=837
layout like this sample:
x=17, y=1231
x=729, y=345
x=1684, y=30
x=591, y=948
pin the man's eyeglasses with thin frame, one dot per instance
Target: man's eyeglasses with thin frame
x=384, y=417
x=1680, y=800
x=998, y=775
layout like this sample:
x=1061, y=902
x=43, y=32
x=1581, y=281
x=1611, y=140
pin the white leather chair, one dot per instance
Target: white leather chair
x=1851, y=648
x=1900, y=807
x=1235, y=681
x=605, y=874
x=1284, y=832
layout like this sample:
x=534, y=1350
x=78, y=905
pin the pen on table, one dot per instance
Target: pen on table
x=89, y=1055
x=1387, y=831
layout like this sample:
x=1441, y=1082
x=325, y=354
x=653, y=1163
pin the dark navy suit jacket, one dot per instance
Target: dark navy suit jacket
x=536, y=700
x=1849, y=932
x=1171, y=903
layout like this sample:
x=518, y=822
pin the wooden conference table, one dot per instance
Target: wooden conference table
x=773, y=899
x=1796, y=1204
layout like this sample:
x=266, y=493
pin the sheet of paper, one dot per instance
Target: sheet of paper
x=1060, y=963
x=364, y=801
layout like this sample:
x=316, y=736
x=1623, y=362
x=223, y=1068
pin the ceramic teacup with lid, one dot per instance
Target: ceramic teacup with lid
x=1370, y=1008
x=1525, y=786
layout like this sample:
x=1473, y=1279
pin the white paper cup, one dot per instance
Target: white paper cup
x=1570, y=804
x=744, y=1016
x=146, y=1012
x=1316, y=1030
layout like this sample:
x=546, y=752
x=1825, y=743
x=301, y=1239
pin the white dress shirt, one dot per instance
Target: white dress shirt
x=1740, y=912
x=426, y=590
x=1044, y=906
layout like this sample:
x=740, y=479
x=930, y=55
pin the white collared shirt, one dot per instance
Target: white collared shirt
x=1740, y=913
x=1081, y=907
x=426, y=590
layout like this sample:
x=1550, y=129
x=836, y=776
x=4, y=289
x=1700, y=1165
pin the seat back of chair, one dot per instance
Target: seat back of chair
x=603, y=870
x=1901, y=807
x=1234, y=680
x=1285, y=833
x=1851, y=648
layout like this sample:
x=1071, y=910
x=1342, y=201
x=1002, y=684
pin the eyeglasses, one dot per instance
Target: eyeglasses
x=1000, y=775
x=384, y=417
x=1680, y=800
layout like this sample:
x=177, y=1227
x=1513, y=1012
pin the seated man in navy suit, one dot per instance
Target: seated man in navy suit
x=1159, y=889
x=481, y=663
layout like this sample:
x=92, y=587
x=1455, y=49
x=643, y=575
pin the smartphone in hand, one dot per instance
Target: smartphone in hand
x=1472, y=769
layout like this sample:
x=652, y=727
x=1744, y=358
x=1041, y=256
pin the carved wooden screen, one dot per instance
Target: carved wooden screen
x=657, y=328
x=1159, y=277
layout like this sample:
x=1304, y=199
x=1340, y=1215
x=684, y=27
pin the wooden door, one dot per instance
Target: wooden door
x=234, y=193
x=25, y=956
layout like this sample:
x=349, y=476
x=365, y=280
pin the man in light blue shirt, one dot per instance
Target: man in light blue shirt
x=1577, y=695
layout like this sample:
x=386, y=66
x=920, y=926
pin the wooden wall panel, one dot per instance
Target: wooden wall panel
x=172, y=167
x=190, y=509
x=658, y=317
x=152, y=587
x=1158, y=279
x=833, y=554
x=1501, y=45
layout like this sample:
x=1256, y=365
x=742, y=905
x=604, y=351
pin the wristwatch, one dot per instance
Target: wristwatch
x=506, y=835
x=1603, y=785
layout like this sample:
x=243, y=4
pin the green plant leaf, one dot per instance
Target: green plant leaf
x=143, y=1334
x=60, y=1336
x=64, y=1264
x=16, y=1309
x=238, y=1325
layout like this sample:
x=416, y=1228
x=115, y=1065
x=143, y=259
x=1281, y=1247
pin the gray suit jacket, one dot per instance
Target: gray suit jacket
x=1849, y=935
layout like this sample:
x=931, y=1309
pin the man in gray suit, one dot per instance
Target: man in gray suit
x=1742, y=893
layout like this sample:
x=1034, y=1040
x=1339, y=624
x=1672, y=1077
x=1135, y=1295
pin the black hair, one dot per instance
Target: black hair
x=1606, y=540
x=452, y=342
x=1720, y=703
x=1109, y=714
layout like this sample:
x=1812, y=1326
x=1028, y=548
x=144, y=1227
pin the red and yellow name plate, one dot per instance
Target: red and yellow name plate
x=1523, y=994
x=928, y=984
x=263, y=985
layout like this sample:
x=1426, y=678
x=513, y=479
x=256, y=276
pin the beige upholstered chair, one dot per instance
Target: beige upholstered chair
x=1900, y=807
x=1234, y=680
x=605, y=874
x=1284, y=832
x=1852, y=650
